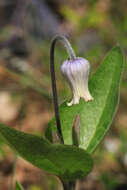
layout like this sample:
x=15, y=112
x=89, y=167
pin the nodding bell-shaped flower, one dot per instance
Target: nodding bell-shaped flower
x=76, y=72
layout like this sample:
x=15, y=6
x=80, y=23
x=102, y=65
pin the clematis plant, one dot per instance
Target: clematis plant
x=73, y=134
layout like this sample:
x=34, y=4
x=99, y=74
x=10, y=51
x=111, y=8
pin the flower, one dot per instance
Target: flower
x=76, y=72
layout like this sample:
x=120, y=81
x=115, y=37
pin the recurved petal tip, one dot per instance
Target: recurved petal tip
x=76, y=73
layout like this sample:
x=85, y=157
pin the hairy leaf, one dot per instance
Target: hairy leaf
x=67, y=162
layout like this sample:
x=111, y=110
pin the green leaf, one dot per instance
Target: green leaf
x=95, y=116
x=67, y=162
x=18, y=186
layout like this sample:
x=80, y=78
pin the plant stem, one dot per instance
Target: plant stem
x=21, y=116
x=13, y=172
x=69, y=186
x=67, y=45
x=71, y=54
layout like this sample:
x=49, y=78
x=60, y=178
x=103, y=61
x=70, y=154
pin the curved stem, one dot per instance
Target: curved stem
x=67, y=45
x=53, y=78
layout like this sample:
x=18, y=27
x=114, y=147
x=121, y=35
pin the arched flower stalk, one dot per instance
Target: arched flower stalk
x=76, y=72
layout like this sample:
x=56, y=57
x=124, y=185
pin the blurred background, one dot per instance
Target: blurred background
x=26, y=27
